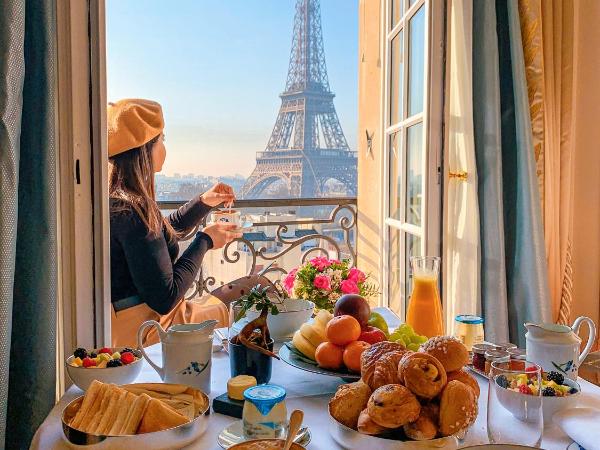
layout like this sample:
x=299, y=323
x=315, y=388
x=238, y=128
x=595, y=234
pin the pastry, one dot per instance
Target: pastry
x=423, y=374
x=426, y=426
x=371, y=355
x=448, y=350
x=386, y=370
x=348, y=402
x=392, y=406
x=464, y=377
x=367, y=426
x=458, y=408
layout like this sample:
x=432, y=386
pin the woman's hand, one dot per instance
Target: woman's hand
x=219, y=193
x=222, y=233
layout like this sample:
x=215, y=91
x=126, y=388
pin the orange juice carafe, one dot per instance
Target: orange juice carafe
x=424, y=312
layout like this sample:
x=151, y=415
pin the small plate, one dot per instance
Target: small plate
x=233, y=434
x=294, y=360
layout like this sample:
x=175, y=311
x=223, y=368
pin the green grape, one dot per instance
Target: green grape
x=413, y=347
x=405, y=329
x=421, y=339
x=398, y=338
x=415, y=339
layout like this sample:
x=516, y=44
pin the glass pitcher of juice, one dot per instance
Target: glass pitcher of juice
x=424, y=312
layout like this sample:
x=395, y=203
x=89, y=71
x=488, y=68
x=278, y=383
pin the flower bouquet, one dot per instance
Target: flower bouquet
x=323, y=281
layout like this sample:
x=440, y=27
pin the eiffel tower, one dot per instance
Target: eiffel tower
x=307, y=146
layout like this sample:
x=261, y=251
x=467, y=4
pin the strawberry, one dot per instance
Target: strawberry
x=524, y=389
x=105, y=350
x=531, y=369
x=127, y=357
x=88, y=362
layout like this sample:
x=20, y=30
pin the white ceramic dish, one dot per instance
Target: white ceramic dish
x=350, y=439
x=292, y=315
x=512, y=400
x=82, y=377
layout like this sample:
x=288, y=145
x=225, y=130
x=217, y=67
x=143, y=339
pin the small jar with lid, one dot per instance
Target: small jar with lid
x=469, y=330
x=479, y=355
x=495, y=355
x=506, y=346
x=518, y=357
x=265, y=412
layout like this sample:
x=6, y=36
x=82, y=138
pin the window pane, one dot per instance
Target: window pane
x=396, y=79
x=395, y=159
x=413, y=248
x=416, y=62
x=396, y=12
x=395, y=273
x=410, y=3
x=414, y=175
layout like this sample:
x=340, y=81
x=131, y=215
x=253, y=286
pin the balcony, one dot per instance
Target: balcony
x=284, y=234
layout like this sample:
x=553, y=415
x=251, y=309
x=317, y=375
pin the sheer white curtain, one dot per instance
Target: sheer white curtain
x=461, y=229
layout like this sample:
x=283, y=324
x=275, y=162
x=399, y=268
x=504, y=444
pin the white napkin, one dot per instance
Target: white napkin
x=581, y=424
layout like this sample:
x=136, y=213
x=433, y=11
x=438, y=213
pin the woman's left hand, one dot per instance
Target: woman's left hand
x=219, y=193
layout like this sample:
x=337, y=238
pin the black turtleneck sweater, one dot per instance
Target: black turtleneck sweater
x=147, y=265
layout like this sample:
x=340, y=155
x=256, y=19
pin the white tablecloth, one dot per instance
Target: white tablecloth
x=307, y=391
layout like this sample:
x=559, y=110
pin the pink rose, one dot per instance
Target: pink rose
x=288, y=281
x=320, y=263
x=322, y=282
x=358, y=276
x=349, y=287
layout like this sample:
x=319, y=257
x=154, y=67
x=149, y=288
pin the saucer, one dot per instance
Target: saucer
x=233, y=434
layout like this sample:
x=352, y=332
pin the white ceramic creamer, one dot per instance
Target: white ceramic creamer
x=557, y=347
x=186, y=353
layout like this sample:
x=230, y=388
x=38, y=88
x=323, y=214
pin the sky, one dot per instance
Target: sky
x=217, y=67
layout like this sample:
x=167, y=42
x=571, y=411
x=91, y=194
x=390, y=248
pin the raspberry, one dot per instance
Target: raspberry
x=557, y=377
x=524, y=389
x=531, y=369
x=105, y=350
x=127, y=357
x=80, y=353
x=88, y=362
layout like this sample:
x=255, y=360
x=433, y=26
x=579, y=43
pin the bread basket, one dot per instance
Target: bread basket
x=176, y=437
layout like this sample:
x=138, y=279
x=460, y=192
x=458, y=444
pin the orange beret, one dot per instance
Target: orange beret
x=131, y=123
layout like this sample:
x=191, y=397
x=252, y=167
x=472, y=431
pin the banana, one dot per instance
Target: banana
x=303, y=345
x=323, y=317
x=313, y=333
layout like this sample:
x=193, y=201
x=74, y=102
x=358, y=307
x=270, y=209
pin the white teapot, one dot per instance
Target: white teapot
x=556, y=347
x=186, y=353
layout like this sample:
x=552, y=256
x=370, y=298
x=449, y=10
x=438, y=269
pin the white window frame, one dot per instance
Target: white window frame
x=432, y=118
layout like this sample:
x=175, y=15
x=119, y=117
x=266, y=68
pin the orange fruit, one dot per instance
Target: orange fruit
x=342, y=330
x=329, y=356
x=352, y=354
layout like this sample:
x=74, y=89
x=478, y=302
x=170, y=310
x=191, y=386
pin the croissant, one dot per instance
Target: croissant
x=386, y=369
x=423, y=374
x=373, y=354
x=458, y=408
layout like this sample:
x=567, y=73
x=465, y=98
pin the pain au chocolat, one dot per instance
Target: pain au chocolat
x=423, y=374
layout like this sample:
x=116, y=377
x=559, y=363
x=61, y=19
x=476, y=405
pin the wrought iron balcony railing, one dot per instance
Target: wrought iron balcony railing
x=286, y=228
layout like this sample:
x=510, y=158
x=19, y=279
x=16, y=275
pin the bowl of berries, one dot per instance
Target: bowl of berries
x=109, y=365
x=557, y=391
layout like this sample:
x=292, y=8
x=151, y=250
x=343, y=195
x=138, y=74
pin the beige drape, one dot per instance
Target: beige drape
x=547, y=29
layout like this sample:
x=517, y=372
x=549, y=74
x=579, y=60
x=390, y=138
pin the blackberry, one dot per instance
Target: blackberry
x=93, y=355
x=557, y=377
x=114, y=363
x=573, y=390
x=548, y=392
x=80, y=353
x=502, y=381
x=126, y=349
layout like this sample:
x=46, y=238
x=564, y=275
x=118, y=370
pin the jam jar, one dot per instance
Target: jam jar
x=479, y=356
x=264, y=414
x=495, y=355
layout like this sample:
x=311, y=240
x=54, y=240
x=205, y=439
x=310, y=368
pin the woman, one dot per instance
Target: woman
x=148, y=277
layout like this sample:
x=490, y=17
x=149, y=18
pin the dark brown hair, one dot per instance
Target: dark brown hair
x=131, y=180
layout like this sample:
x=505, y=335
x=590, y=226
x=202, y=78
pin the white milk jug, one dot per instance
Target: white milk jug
x=186, y=353
x=556, y=347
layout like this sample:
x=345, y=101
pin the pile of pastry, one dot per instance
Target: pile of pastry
x=421, y=395
x=110, y=410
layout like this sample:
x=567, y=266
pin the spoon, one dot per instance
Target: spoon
x=295, y=423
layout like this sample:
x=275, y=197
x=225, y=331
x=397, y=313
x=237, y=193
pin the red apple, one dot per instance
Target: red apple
x=372, y=335
x=355, y=306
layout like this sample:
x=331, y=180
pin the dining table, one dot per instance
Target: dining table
x=307, y=391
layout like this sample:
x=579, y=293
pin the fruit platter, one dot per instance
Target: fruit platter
x=332, y=343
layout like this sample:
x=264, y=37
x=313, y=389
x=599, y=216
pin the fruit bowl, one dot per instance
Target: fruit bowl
x=294, y=358
x=82, y=377
x=292, y=315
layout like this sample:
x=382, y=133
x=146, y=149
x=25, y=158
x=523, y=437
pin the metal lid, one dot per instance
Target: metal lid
x=265, y=396
x=496, y=354
x=469, y=319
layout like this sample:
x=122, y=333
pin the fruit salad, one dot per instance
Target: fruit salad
x=552, y=384
x=103, y=358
